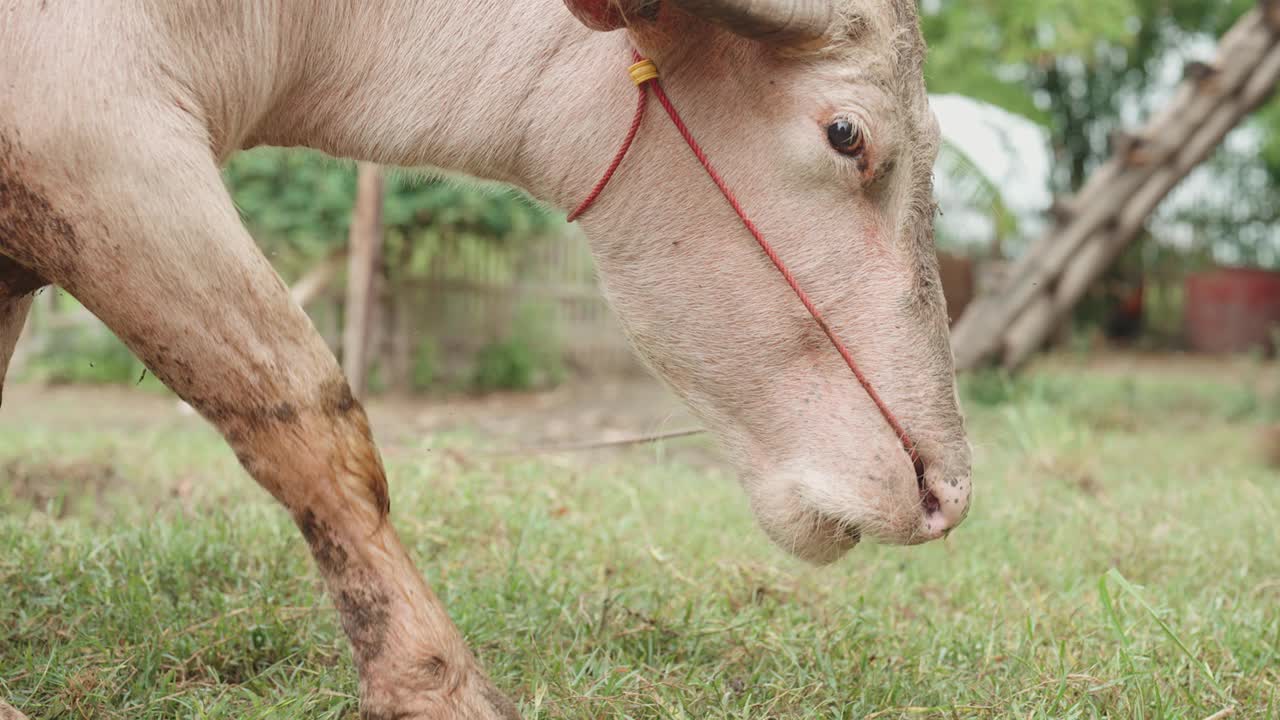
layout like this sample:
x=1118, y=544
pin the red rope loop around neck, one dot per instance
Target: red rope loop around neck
x=768, y=250
x=590, y=200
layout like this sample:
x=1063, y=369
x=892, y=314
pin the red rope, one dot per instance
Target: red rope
x=617, y=159
x=768, y=250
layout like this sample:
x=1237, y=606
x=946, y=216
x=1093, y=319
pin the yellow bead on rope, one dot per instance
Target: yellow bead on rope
x=643, y=71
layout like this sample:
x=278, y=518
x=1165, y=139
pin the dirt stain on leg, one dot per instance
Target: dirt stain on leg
x=331, y=557
x=336, y=399
x=357, y=456
x=33, y=235
x=365, y=609
x=17, y=281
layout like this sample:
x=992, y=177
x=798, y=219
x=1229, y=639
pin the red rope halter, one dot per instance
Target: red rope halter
x=645, y=75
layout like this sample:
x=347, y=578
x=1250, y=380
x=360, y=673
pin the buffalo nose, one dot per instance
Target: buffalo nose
x=945, y=502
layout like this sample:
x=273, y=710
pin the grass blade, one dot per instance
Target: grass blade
x=1128, y=587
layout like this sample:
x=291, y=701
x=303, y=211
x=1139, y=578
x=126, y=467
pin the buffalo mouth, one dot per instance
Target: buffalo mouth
x=853, y=534
x=839, y=532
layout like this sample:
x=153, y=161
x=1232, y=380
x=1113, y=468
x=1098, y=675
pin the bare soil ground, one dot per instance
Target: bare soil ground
x=579, y=412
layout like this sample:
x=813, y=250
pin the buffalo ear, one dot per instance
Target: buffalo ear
x=606, y=15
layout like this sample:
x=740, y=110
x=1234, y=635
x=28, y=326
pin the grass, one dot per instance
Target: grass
x=1121, y=562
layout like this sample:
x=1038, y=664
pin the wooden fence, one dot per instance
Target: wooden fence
x=546, y=287
x=542, y=288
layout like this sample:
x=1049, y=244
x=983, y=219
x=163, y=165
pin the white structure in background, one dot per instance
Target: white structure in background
x=1013, y=155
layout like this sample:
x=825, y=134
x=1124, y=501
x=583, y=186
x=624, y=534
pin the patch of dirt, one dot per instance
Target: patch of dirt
x=582, y=412
x=578, y=411
x=558, y=423
x=60, y=487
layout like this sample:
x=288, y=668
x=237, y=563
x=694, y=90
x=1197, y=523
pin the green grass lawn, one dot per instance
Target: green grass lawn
x=1122, y=560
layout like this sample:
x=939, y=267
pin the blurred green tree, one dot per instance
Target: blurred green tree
x=1081, y=68
x=298, y=205
x=1085, y=69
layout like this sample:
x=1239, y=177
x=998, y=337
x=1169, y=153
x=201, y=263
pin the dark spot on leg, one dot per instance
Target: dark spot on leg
x=32, y=234
x=15, y=280
x=435, y=672
x=336, y=399
x=363, y=607
x=236, y=421
x=358, y=457
x=284, y=413
x=260, y=417
x=331, y=557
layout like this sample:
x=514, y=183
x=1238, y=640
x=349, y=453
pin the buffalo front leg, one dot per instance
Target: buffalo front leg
x=16, y=286
x=13, y=314
x=157, y=251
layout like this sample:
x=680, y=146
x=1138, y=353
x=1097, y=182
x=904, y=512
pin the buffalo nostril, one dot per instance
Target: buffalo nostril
x=928, y=499
x=944, y=505
x=931, y=502
x=943, y=502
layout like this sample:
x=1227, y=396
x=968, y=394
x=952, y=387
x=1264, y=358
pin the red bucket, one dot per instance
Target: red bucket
x=1232, y=309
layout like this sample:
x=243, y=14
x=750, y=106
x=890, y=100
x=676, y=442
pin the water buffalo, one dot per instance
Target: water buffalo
x=115, y=117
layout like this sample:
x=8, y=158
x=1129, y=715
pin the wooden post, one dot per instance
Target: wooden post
x=362, y=273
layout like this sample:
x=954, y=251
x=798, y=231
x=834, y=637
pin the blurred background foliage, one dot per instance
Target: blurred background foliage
x=297, y=203
x=1081, y=71
x=1080, y=68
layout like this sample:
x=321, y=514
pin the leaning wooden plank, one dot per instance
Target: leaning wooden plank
x=1111, y=209
x=1106, y=191
x=1037, y=321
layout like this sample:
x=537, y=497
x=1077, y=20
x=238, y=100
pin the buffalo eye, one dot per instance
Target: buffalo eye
x=846, y=137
